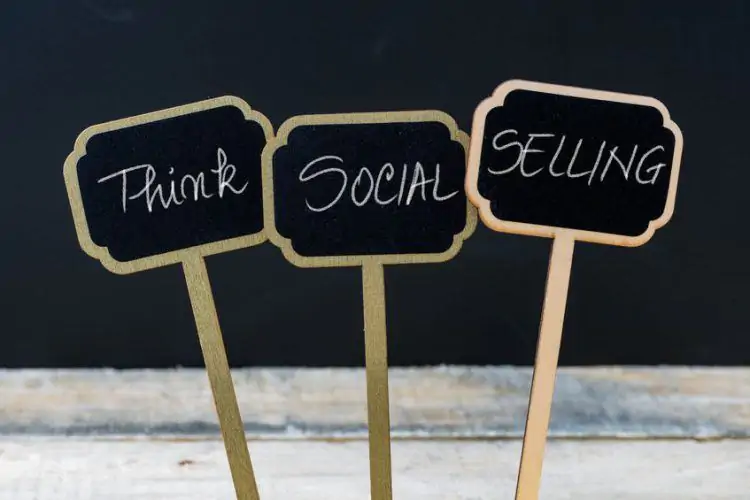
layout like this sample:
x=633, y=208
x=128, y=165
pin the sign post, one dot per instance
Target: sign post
x=172, y=187
x=376, y=368
x=368, y=190
x=570, y=164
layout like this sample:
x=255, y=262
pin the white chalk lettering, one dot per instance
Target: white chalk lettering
x=383, y=186
x=588, y=172
x=527, y=149
x=403, y=183
x=124, y=173
x=436, y=187
x=656, y=168
x=172, y=198
x=304, y=178
x=357, y=181
x=418, y=181
x=613, y=157
x=225, y=173
x=178, y=190
x=506, y=146
x=199, y=186
x=389, y=172
x=554, y=159
x=546, y=159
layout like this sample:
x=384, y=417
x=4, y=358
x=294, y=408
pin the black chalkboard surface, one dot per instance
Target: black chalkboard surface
x=350, y=186
x=551, y=157
x=146, y=188
x=676, y=300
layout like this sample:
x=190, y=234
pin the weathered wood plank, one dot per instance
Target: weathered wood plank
x=437, y=402
x=90, y=469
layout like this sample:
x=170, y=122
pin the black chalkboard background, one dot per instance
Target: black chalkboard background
x=66, y=65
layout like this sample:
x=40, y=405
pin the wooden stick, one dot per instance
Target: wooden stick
x=376, y=362
x=545, y=368
x=217, y=366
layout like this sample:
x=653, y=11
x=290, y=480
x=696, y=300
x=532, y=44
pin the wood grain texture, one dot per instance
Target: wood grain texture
x=442, y=402
x=376, y=374
x=220, y=378
x=90, y=469
x=545, y=367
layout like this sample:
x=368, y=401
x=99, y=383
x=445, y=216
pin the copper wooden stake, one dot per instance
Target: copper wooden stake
x=545, y=367
x=561, y=258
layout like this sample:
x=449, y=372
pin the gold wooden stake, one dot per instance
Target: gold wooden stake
x=376, y=362
x=217, y=366
x=545, y=367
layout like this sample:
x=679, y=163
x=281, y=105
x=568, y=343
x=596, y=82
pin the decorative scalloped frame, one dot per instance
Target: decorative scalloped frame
x=281, y=139
x=76, y=203
x=475, y=149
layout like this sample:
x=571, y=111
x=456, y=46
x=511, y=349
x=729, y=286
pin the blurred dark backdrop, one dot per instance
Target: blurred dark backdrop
x=681, y=299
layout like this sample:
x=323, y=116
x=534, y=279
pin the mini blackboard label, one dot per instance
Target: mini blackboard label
x=145, y=190
x=351, y=187
x=548, y=158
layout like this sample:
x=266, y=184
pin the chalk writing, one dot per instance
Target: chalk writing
x=179, y=190
x=644, y=173
x=382, y=188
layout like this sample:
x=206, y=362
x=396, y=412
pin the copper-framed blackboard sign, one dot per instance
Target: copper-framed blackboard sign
x=548, y=158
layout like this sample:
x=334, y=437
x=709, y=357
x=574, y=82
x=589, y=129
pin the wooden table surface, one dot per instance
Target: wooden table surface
x=617, y=433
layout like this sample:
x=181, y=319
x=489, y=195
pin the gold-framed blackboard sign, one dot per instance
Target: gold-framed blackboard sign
x=347, y=188
x=149, y=190
x=174, y=186
x=369, y=189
